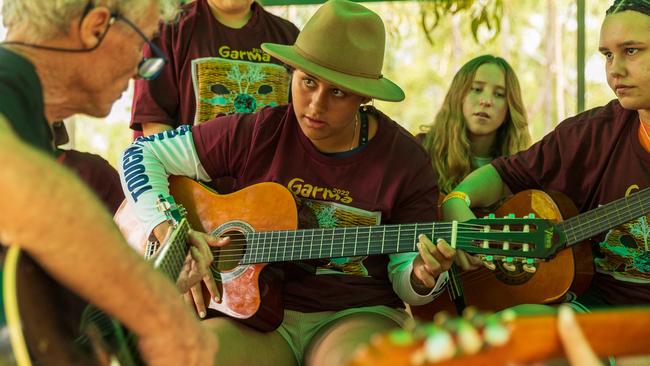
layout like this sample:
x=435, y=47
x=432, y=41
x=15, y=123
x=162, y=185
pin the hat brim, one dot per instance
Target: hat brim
x=382, y=88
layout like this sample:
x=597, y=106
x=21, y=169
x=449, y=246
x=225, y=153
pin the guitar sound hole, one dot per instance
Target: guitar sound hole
x=228, y=257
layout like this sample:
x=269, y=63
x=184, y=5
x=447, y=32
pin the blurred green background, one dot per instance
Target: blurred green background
x=538, y=38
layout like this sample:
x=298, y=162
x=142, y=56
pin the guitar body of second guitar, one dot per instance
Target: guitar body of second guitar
x=571, y=269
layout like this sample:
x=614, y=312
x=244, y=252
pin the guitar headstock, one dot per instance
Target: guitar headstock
x=174, y=212
x=510, y=240
x=175, y=215
x=169, y=255
x=420, y=344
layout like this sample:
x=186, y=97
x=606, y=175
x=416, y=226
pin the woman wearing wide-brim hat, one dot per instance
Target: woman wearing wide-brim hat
x=349, y=164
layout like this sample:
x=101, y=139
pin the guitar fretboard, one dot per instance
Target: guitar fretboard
x=171, y=258
x=605, y=217
x=292, y=245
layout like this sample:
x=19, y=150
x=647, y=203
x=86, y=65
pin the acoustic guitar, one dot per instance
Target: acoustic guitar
x=527, y=339
x=49, y=325
x=261, y=221
x=571, y=269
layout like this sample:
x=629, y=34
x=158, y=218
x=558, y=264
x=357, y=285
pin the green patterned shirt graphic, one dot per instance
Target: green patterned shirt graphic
x=224, y=86
x=332, y=214
x=625, y=250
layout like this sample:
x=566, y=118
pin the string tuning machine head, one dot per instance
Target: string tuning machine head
x=509, y=265
x=488, y=262
x=528, y=264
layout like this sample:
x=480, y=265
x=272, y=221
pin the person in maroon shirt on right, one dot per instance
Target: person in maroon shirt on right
x=216, y=66
x=594, y=158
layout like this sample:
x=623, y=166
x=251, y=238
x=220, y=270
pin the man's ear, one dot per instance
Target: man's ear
x=93, y=26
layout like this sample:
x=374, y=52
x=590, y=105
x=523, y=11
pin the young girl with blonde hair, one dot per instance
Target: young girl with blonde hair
x=481, y=118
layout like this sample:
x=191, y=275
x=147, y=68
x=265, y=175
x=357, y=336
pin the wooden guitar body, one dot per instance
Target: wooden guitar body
x=249, y=293
x=571, y=269
x=49, y=315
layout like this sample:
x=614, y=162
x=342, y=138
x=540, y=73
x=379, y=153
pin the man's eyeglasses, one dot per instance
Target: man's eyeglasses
x=149, y=67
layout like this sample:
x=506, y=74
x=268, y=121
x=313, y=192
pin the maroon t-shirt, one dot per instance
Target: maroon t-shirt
x=213, y=69
x=98, y=174
x=595, y=158
x=389, y=181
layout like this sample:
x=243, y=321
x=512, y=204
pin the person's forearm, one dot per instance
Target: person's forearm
x=147, y=164
x=52, y=215
x=483, y=186
x=152, y=128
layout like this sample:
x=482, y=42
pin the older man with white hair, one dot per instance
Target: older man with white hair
x=76, y=56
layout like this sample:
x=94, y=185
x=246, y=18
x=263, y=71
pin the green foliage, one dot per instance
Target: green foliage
x=481, y=13
x=514, y=29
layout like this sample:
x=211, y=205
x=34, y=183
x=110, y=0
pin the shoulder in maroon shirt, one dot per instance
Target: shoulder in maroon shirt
x=98, y=174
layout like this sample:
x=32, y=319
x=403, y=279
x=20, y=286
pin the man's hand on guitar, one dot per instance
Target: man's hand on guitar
x=433, y=260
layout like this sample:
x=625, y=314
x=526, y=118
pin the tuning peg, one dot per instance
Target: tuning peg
x=531, y=216
x=529, y=265
x=161, y=204
x=489, y=264
x=510, y=216
x=496, y=333
x=509, y=265
x=439, y=345
x=530, y=268
x=468, y=339
x=491, y=216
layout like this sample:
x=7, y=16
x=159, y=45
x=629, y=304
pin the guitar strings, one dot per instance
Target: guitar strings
x=362, y=239
x=640, y=208
x=238, y=247
x=583, y=227
x=234, y=245
x=226, y=256
x=359, y=244
x=256, y=249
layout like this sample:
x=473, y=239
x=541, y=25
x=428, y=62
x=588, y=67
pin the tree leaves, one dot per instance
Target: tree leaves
x=481, y=13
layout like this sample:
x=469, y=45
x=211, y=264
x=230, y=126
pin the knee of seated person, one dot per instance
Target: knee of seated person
x=336, y=343
x=365, y=322
x=533, y=309
x=224, y=326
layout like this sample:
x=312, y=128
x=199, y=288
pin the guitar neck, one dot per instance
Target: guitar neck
x=171, y=258
x=293, y=245
x=605, y=217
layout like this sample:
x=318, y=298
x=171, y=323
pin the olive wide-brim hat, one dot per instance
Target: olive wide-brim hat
x=343, y=43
